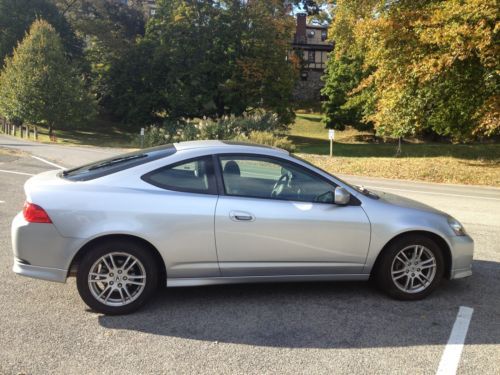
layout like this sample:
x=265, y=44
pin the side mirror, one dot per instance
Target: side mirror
x=342, y=196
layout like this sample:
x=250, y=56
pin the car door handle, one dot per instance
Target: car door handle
x=241, y=216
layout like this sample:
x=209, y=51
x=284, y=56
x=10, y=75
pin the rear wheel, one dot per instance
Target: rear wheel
x=410, y=268
x=117, y=277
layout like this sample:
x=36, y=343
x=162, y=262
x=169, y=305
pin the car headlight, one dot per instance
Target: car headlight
x=456, y=226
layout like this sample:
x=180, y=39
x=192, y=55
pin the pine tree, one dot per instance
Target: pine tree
x=39, y=86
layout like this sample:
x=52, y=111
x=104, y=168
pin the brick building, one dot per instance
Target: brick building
x=311, y=45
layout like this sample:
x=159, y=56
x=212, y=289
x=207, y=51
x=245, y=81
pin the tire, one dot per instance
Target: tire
x=398, y=267
x=117, y=277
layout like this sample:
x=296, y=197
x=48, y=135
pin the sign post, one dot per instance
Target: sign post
x=331, y=137
x=142, y=137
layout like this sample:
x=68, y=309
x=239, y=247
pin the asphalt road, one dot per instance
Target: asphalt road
x=308, y=328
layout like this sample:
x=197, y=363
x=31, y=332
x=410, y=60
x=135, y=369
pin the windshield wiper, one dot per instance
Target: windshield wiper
x=107, y=163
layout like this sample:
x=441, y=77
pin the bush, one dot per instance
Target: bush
x=256, y=127
x=267, y=138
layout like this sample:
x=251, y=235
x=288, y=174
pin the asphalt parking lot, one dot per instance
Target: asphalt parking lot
x=308, y=328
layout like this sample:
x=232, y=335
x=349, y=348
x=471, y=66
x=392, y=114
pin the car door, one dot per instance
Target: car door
x=277, y=218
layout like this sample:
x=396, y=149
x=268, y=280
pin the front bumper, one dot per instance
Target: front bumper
x=462, y=251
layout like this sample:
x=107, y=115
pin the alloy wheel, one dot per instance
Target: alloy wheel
x=117, y=279
x=413, y=269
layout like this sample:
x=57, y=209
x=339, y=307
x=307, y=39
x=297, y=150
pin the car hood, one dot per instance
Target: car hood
x=397, y=200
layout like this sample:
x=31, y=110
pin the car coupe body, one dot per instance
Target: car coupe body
x=213, y=212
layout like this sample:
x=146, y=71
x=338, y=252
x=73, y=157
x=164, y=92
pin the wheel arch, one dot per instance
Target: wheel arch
x=440, y=241
x=110, y=237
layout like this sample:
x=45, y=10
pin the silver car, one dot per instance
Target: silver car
x=213, y=212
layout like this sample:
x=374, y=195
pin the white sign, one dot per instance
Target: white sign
x=142, y=131
x=331, y=134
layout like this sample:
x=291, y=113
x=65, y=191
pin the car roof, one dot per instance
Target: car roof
x=231, y=146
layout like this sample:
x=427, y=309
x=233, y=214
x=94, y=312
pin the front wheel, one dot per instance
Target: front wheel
x=117, y=277
x=410, y=268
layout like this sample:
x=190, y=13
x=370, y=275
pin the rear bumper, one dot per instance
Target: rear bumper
x=462, y=252
x=40, y=251
x=44, y=273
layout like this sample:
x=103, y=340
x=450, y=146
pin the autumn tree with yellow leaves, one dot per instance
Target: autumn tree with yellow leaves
x=421, y=67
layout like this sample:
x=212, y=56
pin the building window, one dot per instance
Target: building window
x=324, y=35
x=311, y=56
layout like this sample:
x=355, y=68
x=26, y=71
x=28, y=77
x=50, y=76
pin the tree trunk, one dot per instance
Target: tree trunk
x=51, y=136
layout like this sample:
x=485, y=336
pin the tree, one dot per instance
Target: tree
x=428, y=66
x=17, y=16
x=210, y=58
x=110, y=30
x=39, y=86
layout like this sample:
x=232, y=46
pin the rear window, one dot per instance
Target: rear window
x=117, y=163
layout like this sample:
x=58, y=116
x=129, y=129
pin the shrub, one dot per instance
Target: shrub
x=267, y=138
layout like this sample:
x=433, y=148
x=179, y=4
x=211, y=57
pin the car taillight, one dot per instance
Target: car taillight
x=35, y=214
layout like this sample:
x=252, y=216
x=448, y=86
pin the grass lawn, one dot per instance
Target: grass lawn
x=103, y=134
x=477, y=164
x=354, y=153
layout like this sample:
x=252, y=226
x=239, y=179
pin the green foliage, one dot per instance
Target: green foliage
x=268, y=139
x=110, y=29
x=17, y=16
x=213, y=59
x=39, y=86
x=341, y=107
x=254, y=127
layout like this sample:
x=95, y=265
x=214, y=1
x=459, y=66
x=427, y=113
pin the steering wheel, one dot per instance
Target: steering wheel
x=278, y=186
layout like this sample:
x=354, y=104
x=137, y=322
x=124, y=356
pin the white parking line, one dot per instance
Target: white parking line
x=14, y=172
x=453, y=351
x=382, y=188
x=47, y=162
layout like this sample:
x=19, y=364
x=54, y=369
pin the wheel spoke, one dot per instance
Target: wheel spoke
x=397, y=271
x=424, y=277
x=428, y=266
x=406, y=257
x=104, y=291
x=131, y=265
x=112, y=261
x=407, y=282
x=106, y=264
x=415, y=252
x=399, y=277
x=126, y=261
x=95, y=274
x=427, y=261
x=127, y=292
x=135, y=283
x=419, y=253
x=121, y=294
x=109, y=294
x=401, y=259
x=136, y=276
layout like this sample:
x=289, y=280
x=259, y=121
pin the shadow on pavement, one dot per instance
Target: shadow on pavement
x=320, y=315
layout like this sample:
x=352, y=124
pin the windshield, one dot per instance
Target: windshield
x=117, y=163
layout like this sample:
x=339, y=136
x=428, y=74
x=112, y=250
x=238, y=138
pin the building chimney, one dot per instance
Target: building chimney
x=301, y=27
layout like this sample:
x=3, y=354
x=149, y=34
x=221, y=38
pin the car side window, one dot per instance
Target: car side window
x=194, y=176
x=264, y=177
